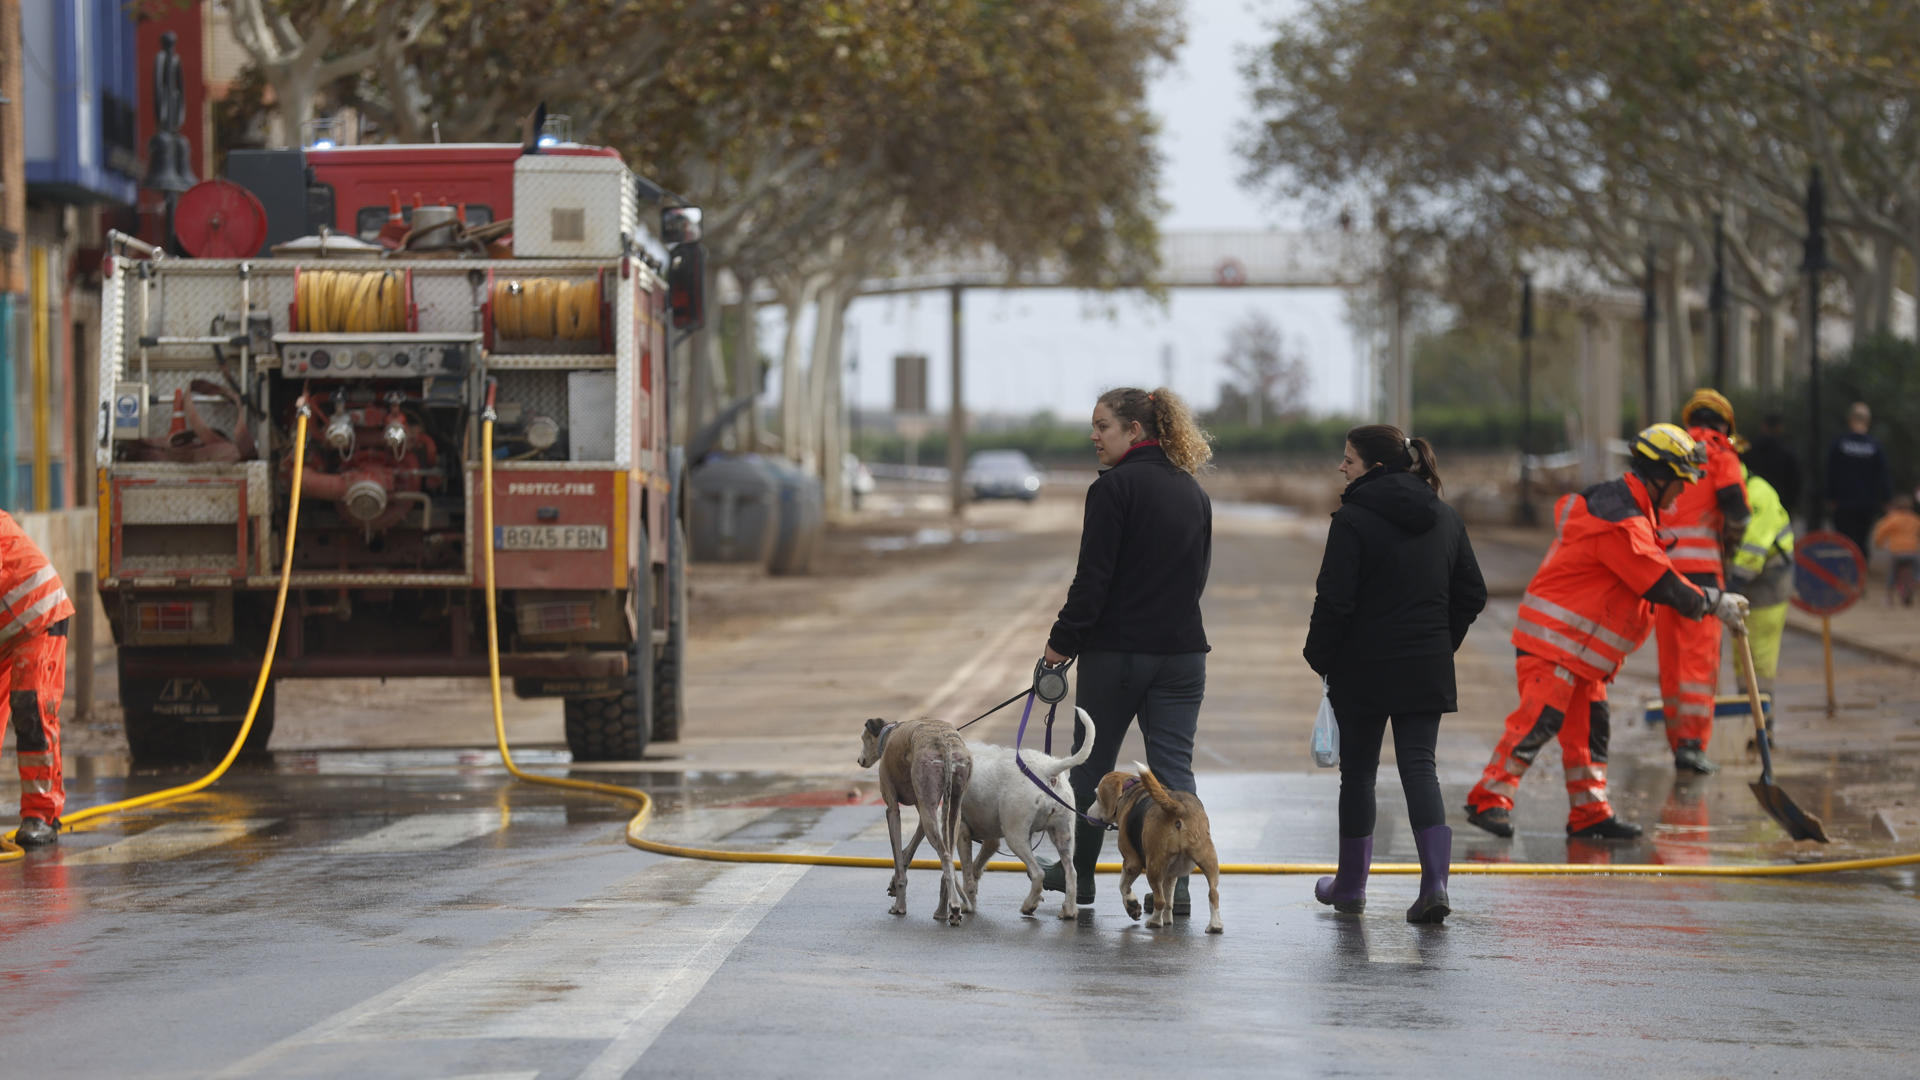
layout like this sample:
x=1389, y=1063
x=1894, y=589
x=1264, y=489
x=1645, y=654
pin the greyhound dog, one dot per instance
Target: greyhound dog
x=925, y=764
x=1003, y=805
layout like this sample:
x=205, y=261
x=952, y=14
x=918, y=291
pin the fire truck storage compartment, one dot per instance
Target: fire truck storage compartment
x=573, y=206
x=189, y=520
x=734, y=509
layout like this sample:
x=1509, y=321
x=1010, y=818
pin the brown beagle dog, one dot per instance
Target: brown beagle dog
x=1163, y=834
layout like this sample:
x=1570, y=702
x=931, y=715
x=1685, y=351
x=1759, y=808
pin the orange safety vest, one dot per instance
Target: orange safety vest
x=1696, y=523
x=31, y=599
x=1584, y=609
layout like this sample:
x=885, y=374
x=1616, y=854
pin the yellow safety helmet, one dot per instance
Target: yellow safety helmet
x=1669, y=446
x=1711, y=400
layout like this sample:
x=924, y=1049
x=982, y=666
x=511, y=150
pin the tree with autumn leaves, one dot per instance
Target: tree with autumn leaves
x=1482, y=134
x=824, y=140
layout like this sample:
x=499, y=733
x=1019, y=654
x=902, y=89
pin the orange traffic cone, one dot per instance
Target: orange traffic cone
x=395, y=230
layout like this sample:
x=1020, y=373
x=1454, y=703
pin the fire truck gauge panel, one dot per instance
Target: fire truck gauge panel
x=343, y=356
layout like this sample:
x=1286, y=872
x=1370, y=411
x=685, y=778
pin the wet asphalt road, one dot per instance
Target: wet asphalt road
x=417, y=913
x=344, y=916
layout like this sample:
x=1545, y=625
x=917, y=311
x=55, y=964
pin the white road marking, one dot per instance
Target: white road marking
x=422, y=832
x=964, y=675
x=618, y=967
x=168, y=841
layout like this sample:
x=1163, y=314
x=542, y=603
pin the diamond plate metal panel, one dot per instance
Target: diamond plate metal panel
x=571, y=206
x=592, y=405
x=113, y=297
x=196, y=504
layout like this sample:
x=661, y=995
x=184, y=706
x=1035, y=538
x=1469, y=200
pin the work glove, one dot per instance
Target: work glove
x=1728, y=607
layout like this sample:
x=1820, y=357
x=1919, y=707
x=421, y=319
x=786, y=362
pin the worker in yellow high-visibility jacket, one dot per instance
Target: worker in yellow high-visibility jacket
x=1762, y=571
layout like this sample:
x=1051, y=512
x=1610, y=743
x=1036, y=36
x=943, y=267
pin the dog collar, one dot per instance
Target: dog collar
x=885, y=733
x=1132, y=782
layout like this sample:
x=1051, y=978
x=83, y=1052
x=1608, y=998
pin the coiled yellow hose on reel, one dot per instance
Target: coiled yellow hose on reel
x=537, y=309
x=350, y=302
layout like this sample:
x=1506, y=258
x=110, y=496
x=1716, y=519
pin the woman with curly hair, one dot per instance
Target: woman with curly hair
x=1132, y=616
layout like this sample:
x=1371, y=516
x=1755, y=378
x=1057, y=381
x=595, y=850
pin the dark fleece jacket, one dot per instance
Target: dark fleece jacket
x=1398, y=588
x=1145, y=547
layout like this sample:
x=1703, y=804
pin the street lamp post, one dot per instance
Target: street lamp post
x=1717, y=305
x=1815, y=261
x=1649, y=337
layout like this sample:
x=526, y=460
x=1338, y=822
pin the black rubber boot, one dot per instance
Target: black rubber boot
x=1611, y=829
x=1086, y=855
x=36, y=833
x=1182, y=899
x=1494, y=819
x=1692, y=757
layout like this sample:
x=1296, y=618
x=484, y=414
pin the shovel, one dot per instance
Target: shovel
x=1799, y=824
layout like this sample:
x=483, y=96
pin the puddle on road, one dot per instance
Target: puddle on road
x=930, y=537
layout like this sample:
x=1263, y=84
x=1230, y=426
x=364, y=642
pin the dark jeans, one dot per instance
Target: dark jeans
x=1414, y=736
x=1856, y=524
x=1164, y=691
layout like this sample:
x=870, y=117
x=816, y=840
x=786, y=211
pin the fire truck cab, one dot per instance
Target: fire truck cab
x=454, y=277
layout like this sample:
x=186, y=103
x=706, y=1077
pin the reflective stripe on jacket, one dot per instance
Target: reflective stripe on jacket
x=1696, y=523
x=1763, y=565
x=31, y=598
x=1584, y=609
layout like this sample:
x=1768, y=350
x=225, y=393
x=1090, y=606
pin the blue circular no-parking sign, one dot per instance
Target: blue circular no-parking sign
x=1828, y=570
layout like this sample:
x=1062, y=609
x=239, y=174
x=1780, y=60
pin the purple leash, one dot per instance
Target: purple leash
x=1039, y=783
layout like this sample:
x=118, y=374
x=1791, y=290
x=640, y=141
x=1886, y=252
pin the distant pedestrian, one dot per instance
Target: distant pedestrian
x=34, y=610
x=1132, y=616
x=1397, y=590
x=1587, y=608
x=1772, y=459
x=1858, y=483
x=1898, y=533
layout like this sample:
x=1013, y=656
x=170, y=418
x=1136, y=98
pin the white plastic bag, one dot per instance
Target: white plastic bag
x=1326, y=732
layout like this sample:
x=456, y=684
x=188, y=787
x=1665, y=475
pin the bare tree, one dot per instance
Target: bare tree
x=1273, y=380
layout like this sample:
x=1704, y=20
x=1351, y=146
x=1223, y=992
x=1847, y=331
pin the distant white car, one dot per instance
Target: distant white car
x=1003, y=474
x=856, y=477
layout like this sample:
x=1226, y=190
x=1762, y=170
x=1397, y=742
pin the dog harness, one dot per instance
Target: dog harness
x=1137, y=821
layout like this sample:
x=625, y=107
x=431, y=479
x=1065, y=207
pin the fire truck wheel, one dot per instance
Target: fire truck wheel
x=615, y=727
x=669, y=678
x=158, y=732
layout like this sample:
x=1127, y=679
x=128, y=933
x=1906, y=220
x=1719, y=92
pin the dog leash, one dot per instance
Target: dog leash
x=1037, y=782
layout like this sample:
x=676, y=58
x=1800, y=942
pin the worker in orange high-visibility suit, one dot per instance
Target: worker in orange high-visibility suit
x=1705, y=525
x=1587, y=608
x=34, y=610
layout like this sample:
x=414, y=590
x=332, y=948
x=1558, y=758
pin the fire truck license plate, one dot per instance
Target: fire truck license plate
x=550, y=537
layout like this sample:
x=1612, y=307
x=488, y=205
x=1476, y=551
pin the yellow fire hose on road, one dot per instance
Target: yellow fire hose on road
x=638, y=823
x=67, y=821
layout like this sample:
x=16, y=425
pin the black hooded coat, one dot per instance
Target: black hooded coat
x=1398, y=588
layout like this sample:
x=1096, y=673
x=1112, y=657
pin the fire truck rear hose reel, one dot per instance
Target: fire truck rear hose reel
x=351, y=302
x=68, y=821
x=542, y=309
x=638, y=823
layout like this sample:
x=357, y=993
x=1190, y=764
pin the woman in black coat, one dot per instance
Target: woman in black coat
x=1398, y=588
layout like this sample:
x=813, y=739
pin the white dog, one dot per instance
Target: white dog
x=1002, y=805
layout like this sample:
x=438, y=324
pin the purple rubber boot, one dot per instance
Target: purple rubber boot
x=1346, y=890
x=1436, y=852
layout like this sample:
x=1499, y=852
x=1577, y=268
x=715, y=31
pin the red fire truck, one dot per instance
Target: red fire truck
x=446, y=276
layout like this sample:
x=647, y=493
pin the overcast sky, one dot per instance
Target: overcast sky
x=1028, y=350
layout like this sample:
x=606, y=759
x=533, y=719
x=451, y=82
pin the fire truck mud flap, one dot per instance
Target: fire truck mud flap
x=172, y=713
